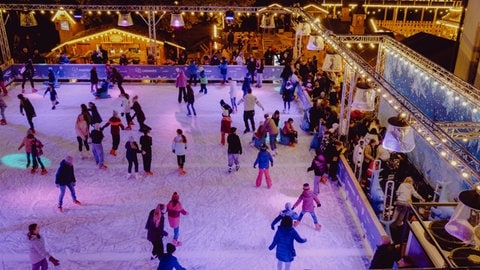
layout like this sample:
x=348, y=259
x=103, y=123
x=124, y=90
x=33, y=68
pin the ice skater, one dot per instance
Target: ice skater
x=81, y=129
x=93, y=80
x=249, y=110
x=234, y=150
x=27, y=72
x=146, y=147
x=53, y=95
x=132, y=150
x=203, y=80
x=96, y=118
x=264, y=159
x=225, y=125
x=38, y=251
x=127, y=107
x=155, y=230
x=169, y=261
x=3, y=88
x=65, y=178
x=140, y=115
x=181, y=84
x=179, y=145
x=174, y=209
x=190, y=99
x=233, y=93
x=27, y=143
x=37, y=152
x=115, y=124
x=287, y=212
x=320, y=168
x=97, y=148
x=26, y=105
x=307, y=198
x=283, y=240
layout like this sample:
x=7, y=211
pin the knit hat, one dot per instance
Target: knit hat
x=175, y=196
x=233, y=129
x=306, y=186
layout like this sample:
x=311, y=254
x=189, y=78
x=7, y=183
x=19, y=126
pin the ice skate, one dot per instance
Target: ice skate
x=34, y=169
x=60, y=209
x=129, y=175
x=176, y=243
x=43, y=172
x=138, y=176
x=28, y=165
x=3, y=122
x=34, y=90
x=77, y=202
x=318, y=227
x=296, y=223
x=230, y=169
x=103, y=167
x=23, y=90
x=148, y=173
x=237, y=168
x=113, y=152
x=181, y=171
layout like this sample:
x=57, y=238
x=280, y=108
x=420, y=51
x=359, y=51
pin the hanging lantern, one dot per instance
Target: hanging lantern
x=465, y=221
x=268, y=21
x=332, y=62
x=399, y=136
x=176, y=20
x=315, y=43
x=27, y=19
x=364, y=99
x=125, y=19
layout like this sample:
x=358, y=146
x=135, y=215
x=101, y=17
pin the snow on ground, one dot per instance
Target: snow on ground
x=228, y=226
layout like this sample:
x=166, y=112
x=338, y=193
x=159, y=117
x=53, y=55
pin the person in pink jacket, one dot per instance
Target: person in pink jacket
x=307, y=198
x=181, y=84
x=174, y=209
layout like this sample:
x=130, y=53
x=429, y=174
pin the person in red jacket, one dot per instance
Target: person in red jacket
x=115, y=124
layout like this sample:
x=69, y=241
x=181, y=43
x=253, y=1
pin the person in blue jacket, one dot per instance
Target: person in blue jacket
x=287, y=212
x=168, y=261
x=192, y=70
x=283, y=241
x=264, y=159
x=223, y=69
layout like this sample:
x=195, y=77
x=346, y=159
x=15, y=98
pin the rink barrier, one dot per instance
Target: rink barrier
x=366, y=220
x=134, y=73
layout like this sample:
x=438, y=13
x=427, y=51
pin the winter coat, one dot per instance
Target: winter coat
x=181, y=79
x=65, y=174
x=178, y=146
x=96, y=118
x=26, y=105
x=27, y=142
x=131, y=153
x=250, y=101
x=287, y=212
x=319, y=167
x=264, y=159
x=126, y=104
x=37, y=249
x=203, y=79
x=115, y=124
x=174, y=212
x=234, y=144
x=233, y=89
x=225, y=124
x=190, y=97
x=271, y=127
x=155, y=233
x=97, y=136
x=138, y=112
x=192, y=69
x=93, y=76
x=307, y=197
x=283, y=240
x=169, y=262
x=146, y=143
x=384, y=257
x=405, y=192
x=81, y=127
x=223, y=68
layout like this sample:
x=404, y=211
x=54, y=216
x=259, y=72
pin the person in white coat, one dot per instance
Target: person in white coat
x=179, y=146
x=38, y=252
x=404, y=196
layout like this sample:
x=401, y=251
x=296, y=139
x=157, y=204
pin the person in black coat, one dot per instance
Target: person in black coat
x=146, y=147
x=118, y=78
x=131, y=154
x=93, y=80
x=155, y=230
x=234, y=149
x=96, y=118
x=139, y=114
x=385, y=255
x=65, y=178
x=26, y=105
x=27, y=73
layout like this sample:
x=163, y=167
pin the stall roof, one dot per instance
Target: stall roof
x=112, y=31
